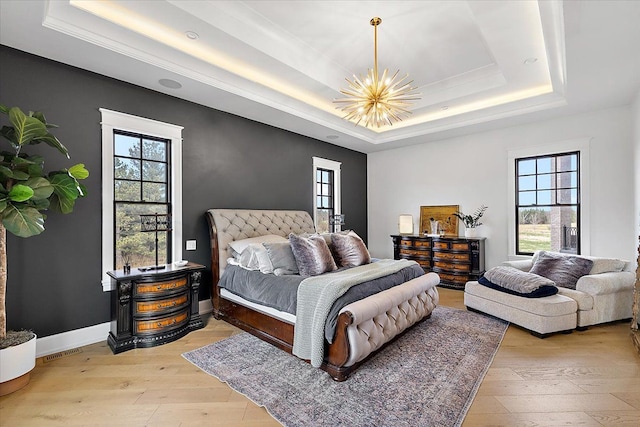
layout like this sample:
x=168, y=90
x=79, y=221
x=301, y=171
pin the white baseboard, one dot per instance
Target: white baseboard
x=89, y=335
x=72, y=339
x=205, y=306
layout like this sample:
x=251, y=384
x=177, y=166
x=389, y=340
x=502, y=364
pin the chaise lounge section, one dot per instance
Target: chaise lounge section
x=603, y=295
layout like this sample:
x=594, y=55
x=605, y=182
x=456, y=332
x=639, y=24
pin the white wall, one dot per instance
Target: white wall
x=635, y=111
x=472, y=170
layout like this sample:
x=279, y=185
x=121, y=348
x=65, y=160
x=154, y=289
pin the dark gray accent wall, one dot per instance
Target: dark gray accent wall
x=228, y=162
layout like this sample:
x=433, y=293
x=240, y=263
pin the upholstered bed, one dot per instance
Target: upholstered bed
x=362, y=327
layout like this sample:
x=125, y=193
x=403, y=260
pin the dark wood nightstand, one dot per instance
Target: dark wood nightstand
x=154, y=307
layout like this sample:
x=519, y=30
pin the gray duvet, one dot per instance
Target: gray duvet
x=280, y=292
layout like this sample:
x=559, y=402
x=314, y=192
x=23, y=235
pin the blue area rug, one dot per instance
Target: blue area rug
x=427, y=377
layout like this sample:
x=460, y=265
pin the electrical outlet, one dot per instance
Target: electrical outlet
x=191, y=245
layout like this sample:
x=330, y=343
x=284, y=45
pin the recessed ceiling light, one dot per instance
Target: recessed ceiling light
x=529, y=61
x=332, y=137
x=171, y=84
x=192, y=35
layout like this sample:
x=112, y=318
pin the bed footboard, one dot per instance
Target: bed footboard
x=383, y=316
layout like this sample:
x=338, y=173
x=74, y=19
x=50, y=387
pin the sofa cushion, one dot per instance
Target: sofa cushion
x=606, y=265
x=584, y=300
x=551, y=306
x=600, y=264
x=562, y=269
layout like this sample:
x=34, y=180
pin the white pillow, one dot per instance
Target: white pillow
x=241, y=245
x=256, y=257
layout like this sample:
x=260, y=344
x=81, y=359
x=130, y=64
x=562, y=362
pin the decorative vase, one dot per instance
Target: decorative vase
x=16, y=364
x=434, y=227
x=470, y=232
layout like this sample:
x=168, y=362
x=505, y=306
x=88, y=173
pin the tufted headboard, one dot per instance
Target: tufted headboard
x=227, y=225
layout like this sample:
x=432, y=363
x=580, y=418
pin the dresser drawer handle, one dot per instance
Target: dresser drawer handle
x=166, y=286
x=166, y=304
x=172, y=322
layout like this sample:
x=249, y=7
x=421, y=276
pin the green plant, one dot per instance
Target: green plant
x=472, y=221
x=25, y=190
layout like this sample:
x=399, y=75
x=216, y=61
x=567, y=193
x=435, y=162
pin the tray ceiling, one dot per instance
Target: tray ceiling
x=284, y=62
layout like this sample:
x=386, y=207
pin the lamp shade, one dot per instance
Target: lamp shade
x=405, y=224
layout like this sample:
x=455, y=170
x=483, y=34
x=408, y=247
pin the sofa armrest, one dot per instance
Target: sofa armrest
x=521, y=264
x=606, y=283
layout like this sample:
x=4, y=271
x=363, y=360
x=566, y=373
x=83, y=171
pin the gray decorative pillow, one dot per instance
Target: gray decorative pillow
x=312, y=255
x=327, y=238
x=516, y=280
x=349, y=250
x=563, y=269
x=282, y=259
x=600, y=264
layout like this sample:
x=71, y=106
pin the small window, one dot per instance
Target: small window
x=326, y=195
x=141, y=187
x=548, y=203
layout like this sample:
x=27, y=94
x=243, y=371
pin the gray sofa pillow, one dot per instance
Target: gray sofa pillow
x=562, y=269
x=517, y=280
x=600, y=264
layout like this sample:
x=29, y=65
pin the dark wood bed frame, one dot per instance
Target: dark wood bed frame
x=277, y=332
x=270, y=329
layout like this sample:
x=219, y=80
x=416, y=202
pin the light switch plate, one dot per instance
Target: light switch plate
x=191, y=245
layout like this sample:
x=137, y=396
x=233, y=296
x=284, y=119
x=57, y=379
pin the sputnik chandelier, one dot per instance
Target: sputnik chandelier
x=377, y=102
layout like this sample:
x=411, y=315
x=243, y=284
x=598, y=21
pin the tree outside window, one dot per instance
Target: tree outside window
x=141, y=186
x=548, y=203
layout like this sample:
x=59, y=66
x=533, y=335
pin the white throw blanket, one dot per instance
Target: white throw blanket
x=316, y=296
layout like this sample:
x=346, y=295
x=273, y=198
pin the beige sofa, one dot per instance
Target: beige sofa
x=604, y=295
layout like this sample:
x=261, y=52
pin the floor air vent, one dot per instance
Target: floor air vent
x=56, y=356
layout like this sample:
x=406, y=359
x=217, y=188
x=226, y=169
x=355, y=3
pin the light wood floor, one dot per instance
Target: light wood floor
x=589, y=378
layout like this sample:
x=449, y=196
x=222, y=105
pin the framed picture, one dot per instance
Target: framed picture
x=447, y=222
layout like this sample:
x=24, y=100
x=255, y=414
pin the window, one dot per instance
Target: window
x=141, y=175
x=548, y=205
x=549, y=191
x=141, y=187
x=324, y=198
x=326, y=194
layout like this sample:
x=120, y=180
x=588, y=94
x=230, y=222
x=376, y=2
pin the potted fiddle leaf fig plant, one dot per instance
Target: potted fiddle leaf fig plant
x=26, y=192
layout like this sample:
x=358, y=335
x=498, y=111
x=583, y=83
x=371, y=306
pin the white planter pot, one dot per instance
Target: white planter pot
x=15, y=365
x=470, y=232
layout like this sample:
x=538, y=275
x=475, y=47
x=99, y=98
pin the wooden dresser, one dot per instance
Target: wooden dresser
x=150, y=308
x=456, y=259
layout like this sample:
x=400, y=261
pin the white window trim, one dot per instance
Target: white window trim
x=580, y=144
x=114, y=120
x=320, y=163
